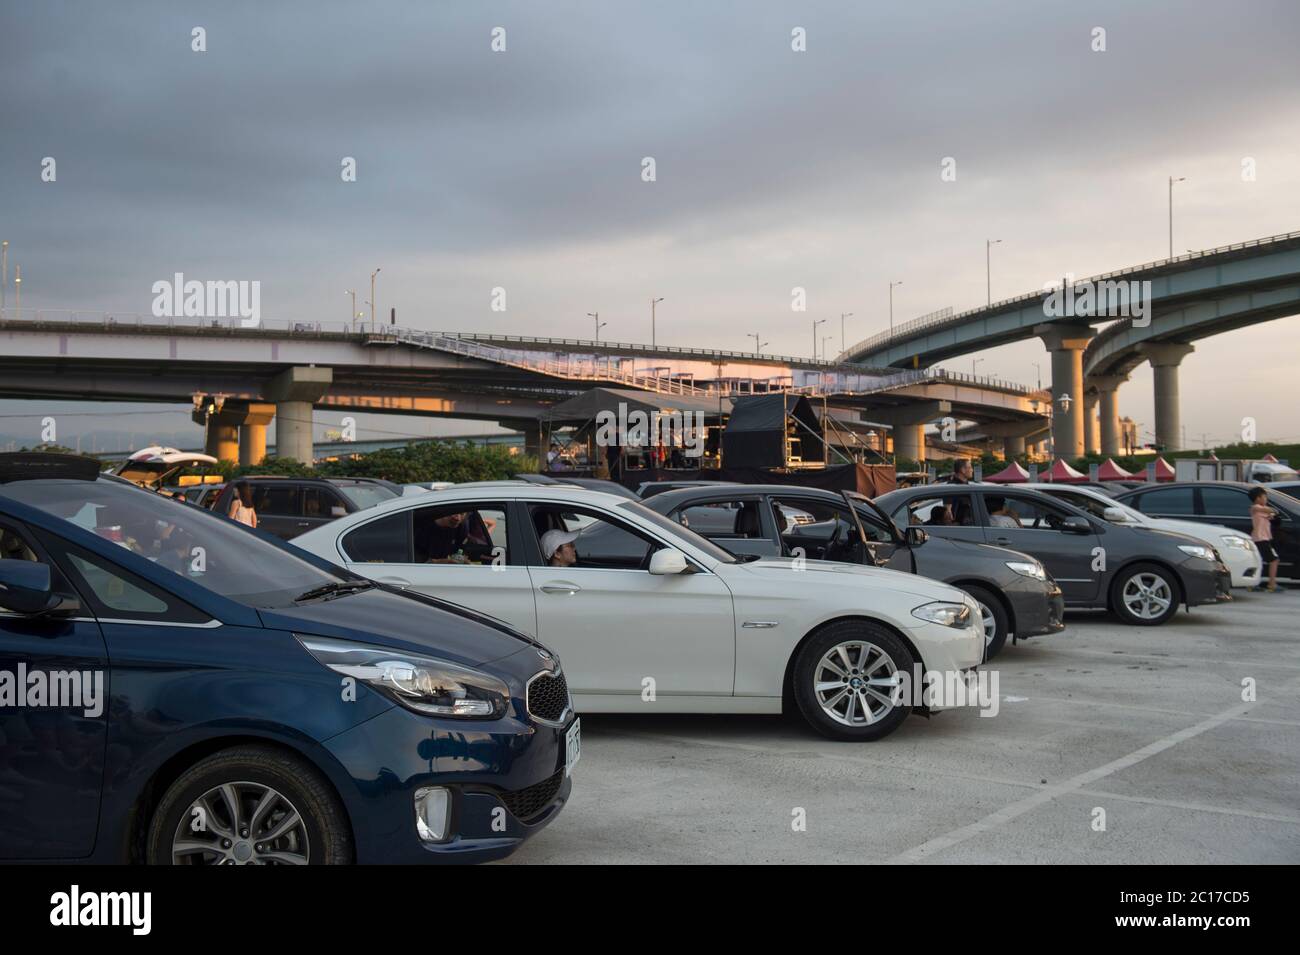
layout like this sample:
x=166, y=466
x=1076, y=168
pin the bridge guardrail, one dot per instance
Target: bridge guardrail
x=935, y=320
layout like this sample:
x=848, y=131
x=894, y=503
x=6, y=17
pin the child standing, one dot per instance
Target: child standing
x=1261, y=532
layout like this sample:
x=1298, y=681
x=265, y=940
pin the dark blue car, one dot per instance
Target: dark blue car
x=176, y=688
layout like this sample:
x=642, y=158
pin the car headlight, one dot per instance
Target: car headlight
x=1196, y=550
x=945, y=614
x=1232, y=540
x=419, y=683
x=1027, y=568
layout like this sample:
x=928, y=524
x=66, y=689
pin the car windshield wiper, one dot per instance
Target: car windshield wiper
x=337, y=588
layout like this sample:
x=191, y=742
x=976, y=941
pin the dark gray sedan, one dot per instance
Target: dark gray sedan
x=1015, y=593
x=1140, y=573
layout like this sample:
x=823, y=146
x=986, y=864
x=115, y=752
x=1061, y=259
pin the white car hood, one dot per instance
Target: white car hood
x=1210, y=533
x=833, y=573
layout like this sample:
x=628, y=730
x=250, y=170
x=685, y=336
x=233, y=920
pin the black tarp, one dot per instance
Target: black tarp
x=756, y=431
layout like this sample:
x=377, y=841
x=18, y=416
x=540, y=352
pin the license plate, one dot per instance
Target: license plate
x=572, y=746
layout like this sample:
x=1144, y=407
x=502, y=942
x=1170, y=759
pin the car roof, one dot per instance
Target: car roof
x=729, y=488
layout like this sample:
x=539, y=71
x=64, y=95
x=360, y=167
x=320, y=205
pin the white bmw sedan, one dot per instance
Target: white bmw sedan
x=648, y=616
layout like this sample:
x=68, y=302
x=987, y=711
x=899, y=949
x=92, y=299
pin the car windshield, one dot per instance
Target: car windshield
x=188, y=541
x=671, y=528
x=366, y=495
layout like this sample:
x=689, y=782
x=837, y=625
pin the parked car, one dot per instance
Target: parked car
x=1140, y=573
x=1291, y=488
x=593, y=484
x=1226, y=503
x=651, y=617
x=155, y=466
x=1015, y=594
x=289, y=506
x=201, y=494
x=1238, y=552
x=266, y=707
x=648, y=489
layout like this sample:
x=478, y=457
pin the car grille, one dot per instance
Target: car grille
x=526, y=804
x=548, y=697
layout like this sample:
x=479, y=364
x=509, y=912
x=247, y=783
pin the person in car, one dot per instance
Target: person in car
x=558, y=549
x=1000, y=515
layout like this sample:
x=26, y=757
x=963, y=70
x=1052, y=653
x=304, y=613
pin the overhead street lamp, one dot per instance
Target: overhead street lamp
x=820, y=321
x=4, y=275
x=843, y=315
x=372, y=298
x=595, y=316
x=988, y=270
x=891, y=306
x=653, y=303
x=759, y=345
x=1172, y=180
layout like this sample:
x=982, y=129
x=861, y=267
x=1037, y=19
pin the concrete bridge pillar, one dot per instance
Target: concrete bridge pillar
x=532, y=431
x=1108, y=401
x=1091, y=426
x=1013, y=447
x=1165, y=357
x=908, y=424
x=294, y=391
x=223, y=439
x=1066, y=344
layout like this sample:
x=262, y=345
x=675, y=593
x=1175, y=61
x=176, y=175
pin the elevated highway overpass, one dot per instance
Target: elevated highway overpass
x=282, y=371
x=1181, y=300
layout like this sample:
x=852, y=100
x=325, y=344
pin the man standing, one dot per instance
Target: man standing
x=957, y=511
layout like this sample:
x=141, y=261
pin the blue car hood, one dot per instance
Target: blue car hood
x=403, y=621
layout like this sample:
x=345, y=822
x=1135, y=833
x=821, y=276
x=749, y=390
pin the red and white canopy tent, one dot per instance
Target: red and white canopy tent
x=1110, y=471
x=1062, y=473
x=1013, y=473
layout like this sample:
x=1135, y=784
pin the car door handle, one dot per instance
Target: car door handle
x=1002, y=541
x=568, y=589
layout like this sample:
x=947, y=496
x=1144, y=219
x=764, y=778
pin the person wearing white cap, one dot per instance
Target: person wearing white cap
x=558, y=549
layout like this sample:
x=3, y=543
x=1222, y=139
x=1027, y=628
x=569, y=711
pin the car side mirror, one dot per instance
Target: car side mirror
x=1115, y=515
x=668, y=561
x=338, y=511
x=1076, y=525
x=916, y=536
x=25, y=587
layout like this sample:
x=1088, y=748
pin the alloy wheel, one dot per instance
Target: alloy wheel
x=1147, y=596
x=856, y=683
x=241, y=823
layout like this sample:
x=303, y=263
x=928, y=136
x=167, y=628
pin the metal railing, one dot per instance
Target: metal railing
x=936, y=319
x=834, y=379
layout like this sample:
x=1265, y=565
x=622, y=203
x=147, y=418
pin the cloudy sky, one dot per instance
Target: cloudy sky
x=522, y=169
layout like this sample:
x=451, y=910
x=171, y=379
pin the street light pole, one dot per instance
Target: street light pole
x=988, y=269
x=843, y=315
x=759, y=344
x=18, y=291
x=820, y=321
x=891, y=306
x=372, y=298
x=653, y=303
x=352, y=315
x=1172, y=180
x=595, y=317
x=4, y=281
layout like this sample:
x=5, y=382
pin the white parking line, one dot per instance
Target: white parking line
x=1192, y=806
x=1021, y=806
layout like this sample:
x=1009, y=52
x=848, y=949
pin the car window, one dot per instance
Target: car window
x=950, y=510
x=190, y=542
x=320, y=502
x=723, y=519
x=386, y=540
x=114, y=590
x=1167, y=500
x=1024, y=513
x=599, y=540
x=675, y=532
x=1083, y=502
x=1224, y=502
x=275, y=500
x=466, y=533
x=366, y=495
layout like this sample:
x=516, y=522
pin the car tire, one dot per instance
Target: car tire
x=838, y=716
x=996, y=621
x=1144, y=595
x=192, y=823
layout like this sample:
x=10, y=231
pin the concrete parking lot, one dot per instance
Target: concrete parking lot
x=1147, y=724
